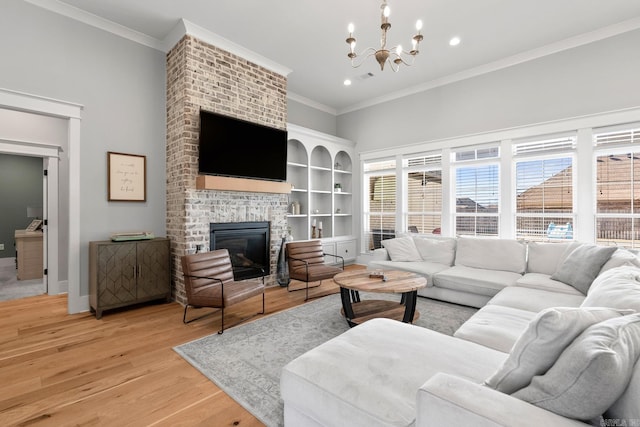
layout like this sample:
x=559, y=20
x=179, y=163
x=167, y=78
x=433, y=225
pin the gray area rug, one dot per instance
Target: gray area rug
x=246, y=360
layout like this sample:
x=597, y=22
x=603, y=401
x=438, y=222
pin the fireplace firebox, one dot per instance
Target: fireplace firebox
x=248, y=245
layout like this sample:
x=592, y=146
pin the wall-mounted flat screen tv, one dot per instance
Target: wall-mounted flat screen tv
x=238, y=148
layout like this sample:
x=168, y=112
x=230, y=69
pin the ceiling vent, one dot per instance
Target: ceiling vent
x=364, y=77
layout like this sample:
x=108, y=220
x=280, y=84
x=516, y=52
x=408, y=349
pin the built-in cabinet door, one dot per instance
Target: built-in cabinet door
x=116, y=274
x=346, y=250
x=153, y=269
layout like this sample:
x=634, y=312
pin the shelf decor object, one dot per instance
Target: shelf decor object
x=395, y=55
x=127, y=177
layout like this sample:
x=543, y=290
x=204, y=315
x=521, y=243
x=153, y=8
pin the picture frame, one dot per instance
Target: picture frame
x=126, y=177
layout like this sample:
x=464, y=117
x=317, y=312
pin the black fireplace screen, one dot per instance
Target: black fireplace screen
x=248, y=246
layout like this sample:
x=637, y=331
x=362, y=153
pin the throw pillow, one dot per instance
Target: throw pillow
x=441, y=251
x=540, y=345
x=583, y=265
x=402, y=249
x=592, y=373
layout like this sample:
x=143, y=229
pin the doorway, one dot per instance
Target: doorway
x=63, y=248
x=23, y=194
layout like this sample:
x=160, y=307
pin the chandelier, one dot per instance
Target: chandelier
x=394, y=56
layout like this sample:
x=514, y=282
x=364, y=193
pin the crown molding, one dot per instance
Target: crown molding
x=186, y=27
x=311, y=103
x=97, y=22
x=570, y=43
x=183, y=27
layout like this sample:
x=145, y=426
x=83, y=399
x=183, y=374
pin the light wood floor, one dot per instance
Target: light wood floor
x=59, y=369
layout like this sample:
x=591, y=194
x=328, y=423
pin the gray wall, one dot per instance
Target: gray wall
x=594, y=78
x=20, y=187
x=311, y=118
x=121, y=85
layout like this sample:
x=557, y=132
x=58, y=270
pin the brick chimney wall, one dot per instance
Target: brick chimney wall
x=200, y=75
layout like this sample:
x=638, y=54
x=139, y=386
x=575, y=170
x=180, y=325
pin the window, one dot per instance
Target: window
x=544, y=188
x=477, y=191
x=380, y=205
x=618, y=186
x=423, y=182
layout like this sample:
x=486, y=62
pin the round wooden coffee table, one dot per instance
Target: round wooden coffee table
x=357, y=311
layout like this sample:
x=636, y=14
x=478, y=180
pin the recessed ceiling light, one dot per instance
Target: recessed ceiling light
x=347, y=82
x=455, y=41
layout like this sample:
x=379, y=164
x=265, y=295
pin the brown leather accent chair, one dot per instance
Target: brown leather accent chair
x=307, y=264
x=209, y=282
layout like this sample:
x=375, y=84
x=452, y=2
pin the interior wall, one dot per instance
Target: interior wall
x=311, y=118
x=121, y=86
x=598, y=77
x=20, y=187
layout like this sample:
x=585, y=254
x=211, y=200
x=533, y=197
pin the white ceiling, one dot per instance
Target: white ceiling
x=308, y=37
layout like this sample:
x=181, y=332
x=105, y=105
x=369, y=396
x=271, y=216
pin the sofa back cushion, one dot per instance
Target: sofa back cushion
x=615, y=288
x=491, y=254
x=627, y=407
x=544, y=258
x=621, y=257
x=440, y=251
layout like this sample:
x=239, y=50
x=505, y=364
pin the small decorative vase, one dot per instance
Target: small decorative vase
x=282, y=270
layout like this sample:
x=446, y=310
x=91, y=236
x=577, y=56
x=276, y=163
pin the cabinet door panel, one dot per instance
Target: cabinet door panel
x=116, y=273
x=153, y=263
x=347, y=250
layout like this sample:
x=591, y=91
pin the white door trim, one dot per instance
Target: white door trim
x=72, y=113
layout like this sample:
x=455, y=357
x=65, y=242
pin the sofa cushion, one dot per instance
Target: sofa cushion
x=440, y=251
x=591, y=373
x=376, y=369
x=534, y=300
x=621, y=257
x=583, y=265
x=475, y=280
x=491, y=254
x=545, y=282
x=627, y=407
x=495, y=326
x=546, y=337
x=544, y=257
x=402, y=249
x=617, y=288
x=424, y=268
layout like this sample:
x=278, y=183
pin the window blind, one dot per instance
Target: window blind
x=423, y=180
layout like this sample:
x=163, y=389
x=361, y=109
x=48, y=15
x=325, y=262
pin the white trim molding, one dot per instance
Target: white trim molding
x=72, y=112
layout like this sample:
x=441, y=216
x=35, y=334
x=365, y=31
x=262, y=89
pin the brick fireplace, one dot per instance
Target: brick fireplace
x=202, y=75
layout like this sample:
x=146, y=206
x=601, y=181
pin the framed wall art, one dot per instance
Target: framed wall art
x=127, y=177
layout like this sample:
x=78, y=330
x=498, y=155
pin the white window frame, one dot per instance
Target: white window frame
x=541, y=148
x=614, y=149
x=406, y=170
x=455, y=165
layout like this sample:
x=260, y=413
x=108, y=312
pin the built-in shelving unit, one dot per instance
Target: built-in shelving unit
x=320, y=170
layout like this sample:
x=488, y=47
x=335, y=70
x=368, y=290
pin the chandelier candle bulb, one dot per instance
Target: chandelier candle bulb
x=320, y=225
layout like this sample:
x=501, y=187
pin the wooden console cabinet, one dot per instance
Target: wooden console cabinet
x=29, y=254
x=126, y=273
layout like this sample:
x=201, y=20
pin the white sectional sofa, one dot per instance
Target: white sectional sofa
x=538, y=352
